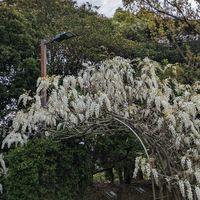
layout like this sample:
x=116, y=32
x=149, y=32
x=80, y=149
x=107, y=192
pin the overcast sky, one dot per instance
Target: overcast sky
x=107, y=7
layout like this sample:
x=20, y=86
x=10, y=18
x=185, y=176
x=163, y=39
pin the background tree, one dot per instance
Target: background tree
x=142, y=27
x=180, y=27
x=18, y=59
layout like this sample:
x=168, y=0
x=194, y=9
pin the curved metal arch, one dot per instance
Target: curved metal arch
x=141, y=142
x=145, y=149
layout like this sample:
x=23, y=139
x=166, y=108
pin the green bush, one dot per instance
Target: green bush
x=47, y=170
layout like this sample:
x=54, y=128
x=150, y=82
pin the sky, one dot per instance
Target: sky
x=107, y=7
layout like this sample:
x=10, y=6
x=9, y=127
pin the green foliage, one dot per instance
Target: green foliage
x=121, y=150
x=96, y=38
x=145, y=29
x=47, y=170
x=99, y=178
x=19, y=66
x=161, y=38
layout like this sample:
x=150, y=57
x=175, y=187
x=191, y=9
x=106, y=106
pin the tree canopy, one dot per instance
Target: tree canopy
x=175, y=24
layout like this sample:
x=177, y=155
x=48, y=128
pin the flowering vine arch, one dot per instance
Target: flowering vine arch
x=165, y=113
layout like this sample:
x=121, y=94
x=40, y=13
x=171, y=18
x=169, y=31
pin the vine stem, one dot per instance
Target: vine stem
x=145, y=149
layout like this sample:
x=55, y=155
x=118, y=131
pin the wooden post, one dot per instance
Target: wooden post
x=43, y=71
x=43, y=59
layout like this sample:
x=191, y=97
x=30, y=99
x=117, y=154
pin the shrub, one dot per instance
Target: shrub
x=47, y=170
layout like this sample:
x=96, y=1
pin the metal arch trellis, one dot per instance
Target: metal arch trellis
x=95, y=125
x=145, y=149
x=141, y=142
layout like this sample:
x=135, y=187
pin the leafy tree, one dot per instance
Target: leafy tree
x=97, y=38
x=142, y=27
x=185, y=11
x=18, y=61
x=178, y=22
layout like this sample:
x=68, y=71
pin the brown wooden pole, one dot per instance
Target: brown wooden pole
x=43, y=61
